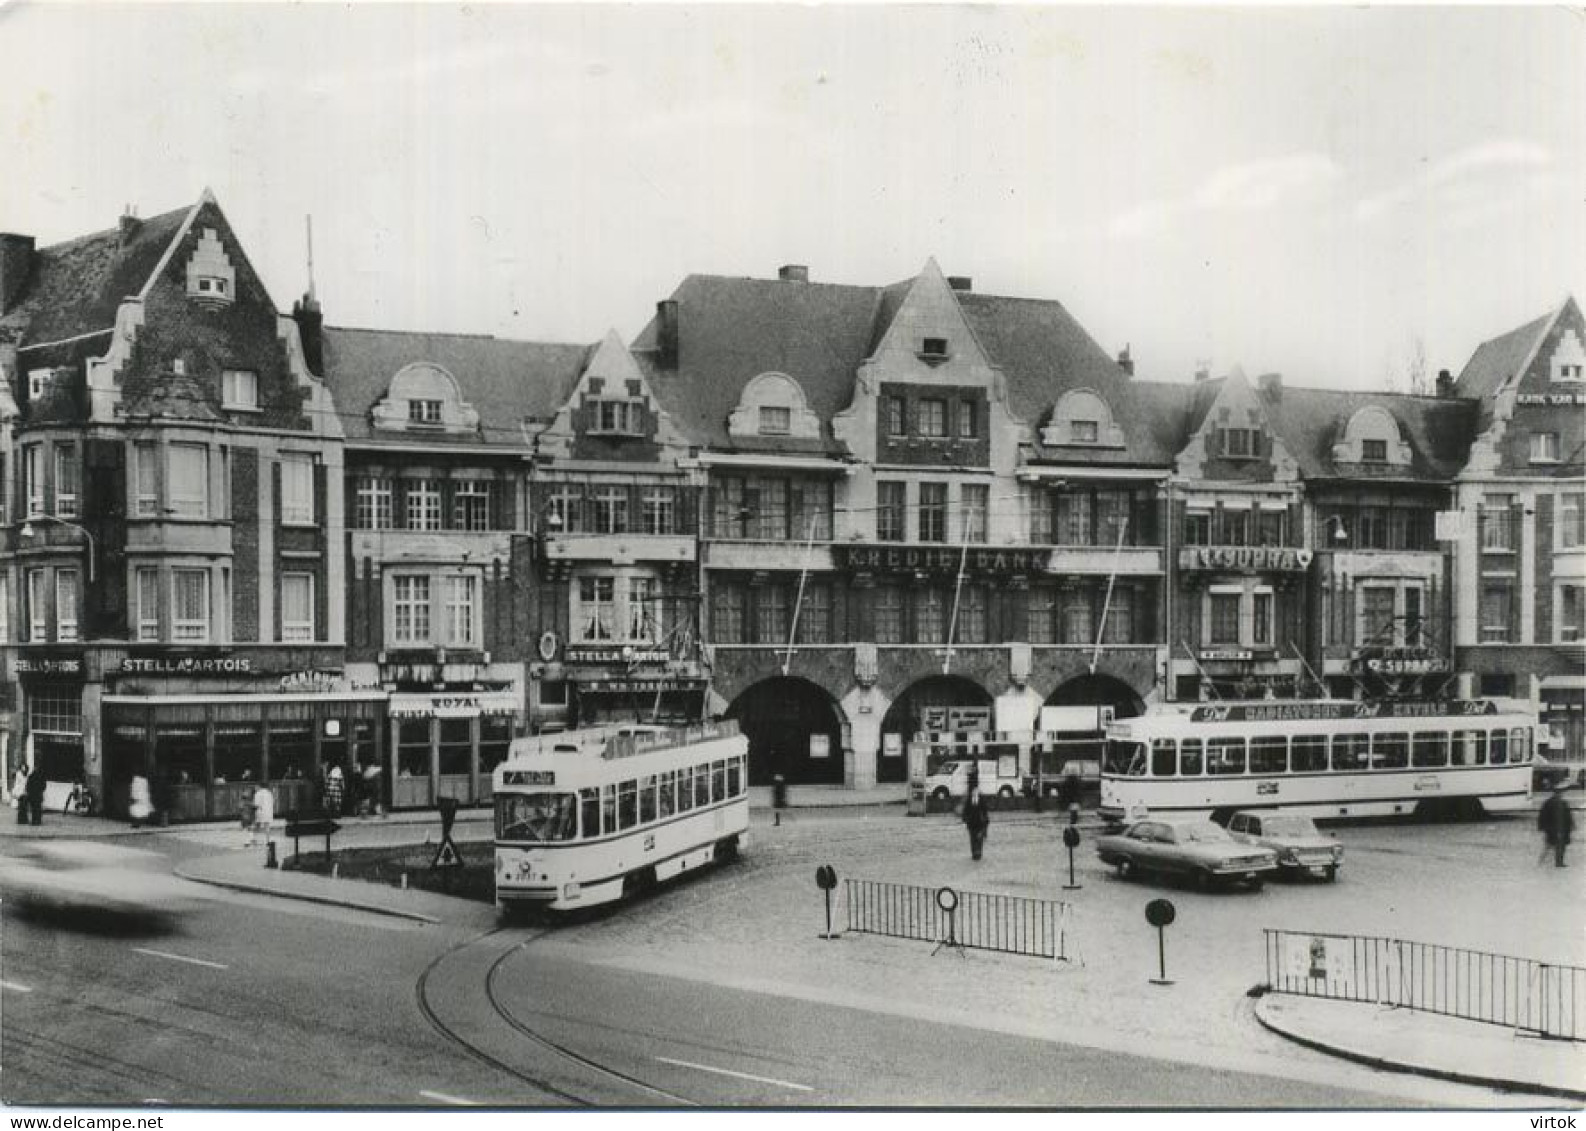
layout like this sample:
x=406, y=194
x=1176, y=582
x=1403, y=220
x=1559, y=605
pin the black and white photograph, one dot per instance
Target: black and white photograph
x=778, y=558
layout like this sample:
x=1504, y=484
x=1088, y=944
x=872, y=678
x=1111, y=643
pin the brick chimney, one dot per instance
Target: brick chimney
x=311, y=329
x=129, y=225
x=16, y=261
x=1202, y=373
x=1126, y=361
x=1445, y=383
x=1271, y=384
x=793, y=273
x=667, y=346
x=961, y=282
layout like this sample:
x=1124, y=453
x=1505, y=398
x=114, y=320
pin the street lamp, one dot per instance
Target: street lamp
x=28, y=532
x=1340, y=534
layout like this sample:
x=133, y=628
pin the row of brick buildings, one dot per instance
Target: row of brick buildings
x=238, y=542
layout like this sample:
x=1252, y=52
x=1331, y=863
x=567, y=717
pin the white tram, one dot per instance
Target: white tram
x=586, y=817
x=1326, y=758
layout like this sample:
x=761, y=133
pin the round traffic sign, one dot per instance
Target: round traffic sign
x=946, y=899
x=826, y=877
x=1159, y=912
x=1071, y=836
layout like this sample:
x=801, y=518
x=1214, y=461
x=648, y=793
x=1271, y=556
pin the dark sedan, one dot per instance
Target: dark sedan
x=1192, y=848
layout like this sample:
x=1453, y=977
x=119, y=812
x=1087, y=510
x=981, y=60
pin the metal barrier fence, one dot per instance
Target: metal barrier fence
x=1519, y=993
x=1008, y=923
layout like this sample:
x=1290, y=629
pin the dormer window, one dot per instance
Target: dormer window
x=424, y=412
x=1083, y=431
x=1373, y=451
x=775, y=421
x=935, y=348
x=1082, y=417
x=38, y=382
x=210, y=286
x=240, y=389
x=1240, y=443
x=619, y=418
x=210, y=275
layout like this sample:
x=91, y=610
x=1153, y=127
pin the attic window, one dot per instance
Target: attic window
x=934, y=347
x=1083, y=431
x=38, y=381
x=1373, y=451
x=775, y=421
x=619, y=418
x=424, y=412
x=1240, y=443
x=240, y=389
x=210, y=276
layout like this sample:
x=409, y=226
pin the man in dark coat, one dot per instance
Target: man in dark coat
x=1556, y=822
x=976, y=819
x=36, y=784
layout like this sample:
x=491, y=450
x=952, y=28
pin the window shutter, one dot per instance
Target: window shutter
x=320, y=497
x=275, y=490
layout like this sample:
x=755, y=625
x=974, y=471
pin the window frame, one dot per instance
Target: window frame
x=932, y=512
x=421, y=504
x=67, y=470
x=146, y=597
x=299, y=631
x=231, y=384
x=473, y=502
x=771, y=424
x=1545, y=447
x=191, y=630
x=931, y=414
x=425, y=411
x=297, y=473
x=181, y=501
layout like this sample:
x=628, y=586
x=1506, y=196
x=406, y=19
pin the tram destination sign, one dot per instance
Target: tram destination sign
x=1277, y=711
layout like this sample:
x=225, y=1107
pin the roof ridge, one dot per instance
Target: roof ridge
x=103, y=233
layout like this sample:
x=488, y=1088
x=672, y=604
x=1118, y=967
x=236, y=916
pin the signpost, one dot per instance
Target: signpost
x=947, y=900
x=447, y=856
x=826, y=880
x=1071, y=841
x=1159, y=913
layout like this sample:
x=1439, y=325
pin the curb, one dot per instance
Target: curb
x=1416, y=1069
x=304, y=897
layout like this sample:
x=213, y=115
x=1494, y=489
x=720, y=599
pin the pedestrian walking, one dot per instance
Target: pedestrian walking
x=19, y=793
x=976, y=820
x=263, y=815
x=1068, y=789
x=1556, y=822
x=140, y=806
x=37, y=783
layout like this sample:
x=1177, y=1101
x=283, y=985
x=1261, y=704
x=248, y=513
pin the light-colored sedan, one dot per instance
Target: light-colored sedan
x=1294, y=837
x=87, y=879
x=1190, y=847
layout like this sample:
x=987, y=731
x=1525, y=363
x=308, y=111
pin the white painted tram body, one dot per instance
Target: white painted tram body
x=586, y=817
x=1329, y=759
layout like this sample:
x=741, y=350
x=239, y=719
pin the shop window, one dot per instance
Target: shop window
x=495, y=741
x=933, y=512
x=297, y=607
x=66, y=480
x=239, y=749
x=891, y=511
x=239, y=390
x=55, y=710
x=179, y=751
x=65, y=604
x=423, y=504
x=553, y=693
x=187, y=484
x=372, y=506
x=413, y=748
x=456, y=746
x=471, y=500
x=190, y=605
x=292, y=749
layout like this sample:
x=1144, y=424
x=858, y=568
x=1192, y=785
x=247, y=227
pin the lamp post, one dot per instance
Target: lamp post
x=28, y=532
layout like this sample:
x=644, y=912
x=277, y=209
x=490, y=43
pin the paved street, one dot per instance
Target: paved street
x=719, y=992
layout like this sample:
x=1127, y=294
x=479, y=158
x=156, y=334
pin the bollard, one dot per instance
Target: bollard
x=1159, y=913
x=269, y=855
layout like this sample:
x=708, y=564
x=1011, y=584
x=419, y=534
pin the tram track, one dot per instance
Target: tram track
x=496, y=1059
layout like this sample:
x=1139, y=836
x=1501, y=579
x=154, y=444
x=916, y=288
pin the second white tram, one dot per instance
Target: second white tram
x=586, y=817
x=1326, y=758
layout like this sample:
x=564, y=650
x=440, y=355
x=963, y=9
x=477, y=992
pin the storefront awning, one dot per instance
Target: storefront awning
x=452, y=704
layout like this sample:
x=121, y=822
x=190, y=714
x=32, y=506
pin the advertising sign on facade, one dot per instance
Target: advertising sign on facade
x=170, y=663
x=1272, y=559
x=452, y=704
x=48, y=665
x=940, y=559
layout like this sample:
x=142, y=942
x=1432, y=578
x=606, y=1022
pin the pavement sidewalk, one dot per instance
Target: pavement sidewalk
x=1449, y=1048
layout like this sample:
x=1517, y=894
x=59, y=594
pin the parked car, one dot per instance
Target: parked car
x=1193, y=848
x=1301, y=848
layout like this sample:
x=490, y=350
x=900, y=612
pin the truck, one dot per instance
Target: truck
x=1067, y=742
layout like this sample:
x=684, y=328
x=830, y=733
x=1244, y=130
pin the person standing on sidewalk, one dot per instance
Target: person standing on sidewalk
x=976, y=819
x=37, y=784
x=263, y=815
x=19, y=793
x=1556, y=822
x=140, y=805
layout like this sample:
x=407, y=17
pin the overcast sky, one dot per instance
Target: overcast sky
x=1309, y=191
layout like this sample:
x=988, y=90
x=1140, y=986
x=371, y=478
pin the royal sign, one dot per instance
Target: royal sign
x=1278, y=711
x=1250, y=559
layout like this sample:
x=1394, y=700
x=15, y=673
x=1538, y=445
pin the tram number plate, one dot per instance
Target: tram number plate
x=649, y=842
x=1267, y=789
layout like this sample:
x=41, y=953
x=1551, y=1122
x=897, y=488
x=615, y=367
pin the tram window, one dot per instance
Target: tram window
x=1164, y=753
x=1519, y=745
x=701, y=786
x=1308, y=753
x=536, y=816
x=1500, y=747
x=1269, y=754
x=718, y=780
x=665, y=794
x=646, y=800
x=627, y=804
x=1462, y=749
x=589, y=803
x=1126, y=758
x=608, y=809
x=1390, y=751
x=1189, y=760
x=734, y=777
x=1225, y=755
x=685, y=791
x=1350, y=752
x=1429, y=749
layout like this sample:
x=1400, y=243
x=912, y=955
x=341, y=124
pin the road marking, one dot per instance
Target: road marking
x=739, y=1075
x=15, y=987
x=182, y=958
x=456, y=1101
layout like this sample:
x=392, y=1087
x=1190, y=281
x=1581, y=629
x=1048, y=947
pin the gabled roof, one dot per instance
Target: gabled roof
x=76, y=287
x=734, y=329
x=1499, y=359
x=508, y=382
x=1310, y=421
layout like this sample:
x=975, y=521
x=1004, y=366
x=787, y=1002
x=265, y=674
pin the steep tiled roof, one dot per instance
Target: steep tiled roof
x=507, y=382
x=1310, y=421
x=732, y=330
x=75, y=287
x=1495, y=361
